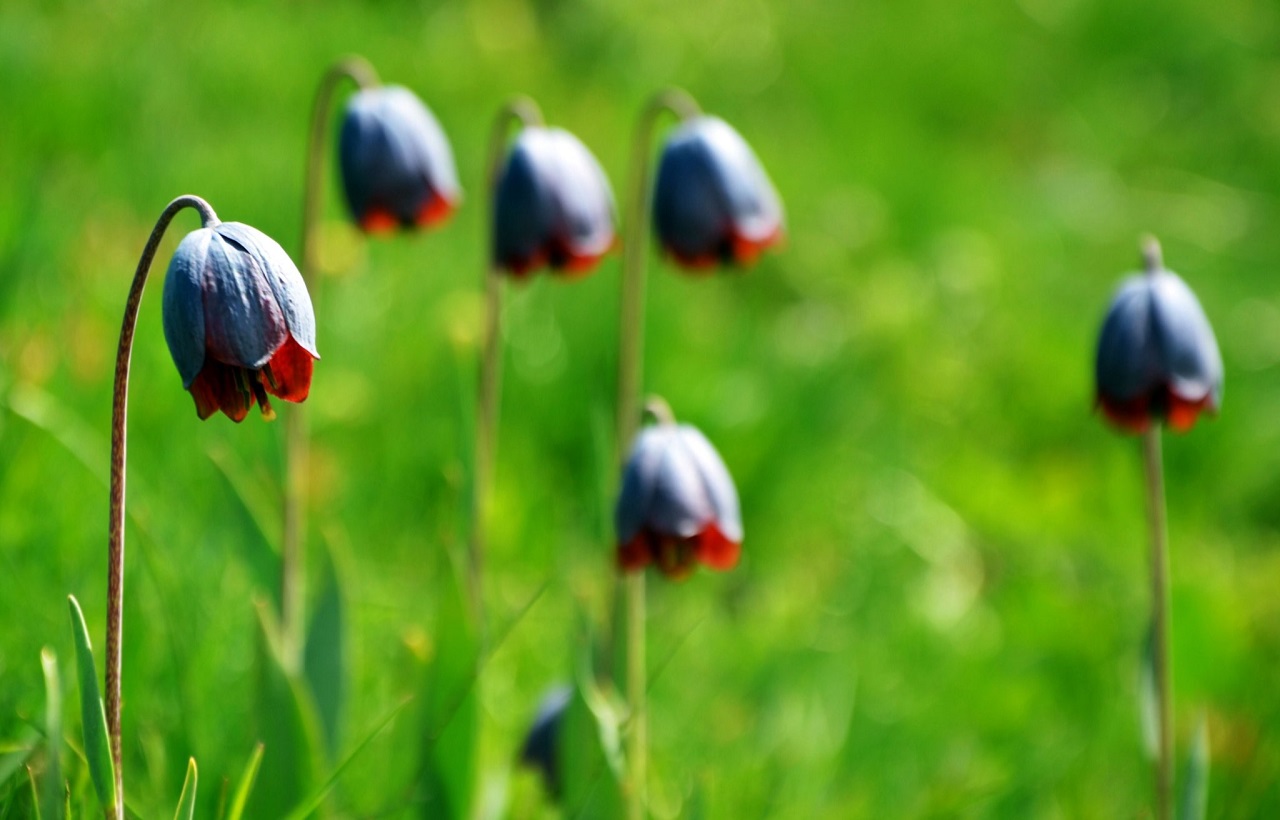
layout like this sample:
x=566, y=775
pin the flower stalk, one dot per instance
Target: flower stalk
x=119, y=431
x=359, y=71
x=630, y=363
x=522, y=112
x=1160, y=619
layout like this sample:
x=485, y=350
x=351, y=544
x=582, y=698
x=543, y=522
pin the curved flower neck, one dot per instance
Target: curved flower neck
x=1152, y=256
x=657, y=409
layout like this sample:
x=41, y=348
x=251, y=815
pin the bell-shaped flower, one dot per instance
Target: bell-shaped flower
x=397, y=166
x=1157, y=355
x=678, y=505
x=552, y=205
x=541, y=745
x=712, y=200
x=238, y=321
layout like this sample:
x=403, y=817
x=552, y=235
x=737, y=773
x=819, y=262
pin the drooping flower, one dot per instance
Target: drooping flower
x=678, y=505
x=552, y=205
x=541, y=750
x=712, y=200
x=397, y=166
x=1157, y=356
x=238, y=321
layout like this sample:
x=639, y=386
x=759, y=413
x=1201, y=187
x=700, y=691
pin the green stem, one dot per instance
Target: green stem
x=115, y=520
x=523, y=112
x=1160, y=618
x=296, y=441
x=630, y=361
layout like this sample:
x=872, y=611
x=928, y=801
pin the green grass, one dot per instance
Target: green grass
x=943, y=595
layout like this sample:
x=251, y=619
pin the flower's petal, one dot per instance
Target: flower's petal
x=583, y=226
x=524, y=210
x=639, y=482
x=183, y=304
x=1189, y=352
x=1128, y=363
x=712, y=198
x=288, y=374
x=243, y=323
x=541, y=746
x=717, y=550
x=395, y=160
x=284, y=279
x=681, y=505
x=222, y=387
x=716, y=482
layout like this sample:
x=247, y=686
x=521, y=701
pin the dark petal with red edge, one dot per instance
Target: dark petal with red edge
x=222, y=387
x=288, y=374
x=634, y=555
x=717, y=551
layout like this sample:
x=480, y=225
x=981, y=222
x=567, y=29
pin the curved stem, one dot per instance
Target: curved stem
x=1160, y=618
x=292, y=603
x=523, y=112
x=630, y=361
x=115, y=520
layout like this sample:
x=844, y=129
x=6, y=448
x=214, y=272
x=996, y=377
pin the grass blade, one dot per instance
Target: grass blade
x=324, y=662
x=51, y=786
x=1194, y=800
x=187, y=800
x=245, y=787
x=92, y=713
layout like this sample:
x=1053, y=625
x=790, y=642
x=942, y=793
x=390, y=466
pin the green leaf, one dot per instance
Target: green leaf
x=324, y=662
x=1193, y=803
x=97, y=749
x=450, y=718
x=187, y=800
x=1148, y=700
x=287, y=726
x=51, y=785
x=589, y=748
x=35, y=794
x=245, y=787
x=13, y=759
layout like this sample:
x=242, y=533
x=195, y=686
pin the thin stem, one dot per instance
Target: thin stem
x=296, y=440
x=630, y=363
x=1160, y=618
x=115, y=520
x=523, y=112
x=1152, y=256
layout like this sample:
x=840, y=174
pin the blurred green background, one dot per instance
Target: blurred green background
x=942, y=601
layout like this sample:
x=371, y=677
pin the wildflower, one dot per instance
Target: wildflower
x=541, y=745
x=678, y=505
x=238, y=321
x=712, y=200
x=1157, y=355
x=552, y=205
x=397, y=166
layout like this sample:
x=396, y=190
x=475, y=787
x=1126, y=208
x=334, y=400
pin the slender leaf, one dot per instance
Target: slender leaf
x=35, y=794
x=1148, y=701
x=589, y=748
x=97, y=749
x=325, y=660
x=1193, y=803
x=16, y=756
x=245, y=787
x=187, y=800
x=51, y=785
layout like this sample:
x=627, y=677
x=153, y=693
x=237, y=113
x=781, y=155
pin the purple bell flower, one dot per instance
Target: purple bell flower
x=1157, y=355
x=397, y=166
x=713, y=201
x=678, y=505
x=552, y=205
x=238, y=321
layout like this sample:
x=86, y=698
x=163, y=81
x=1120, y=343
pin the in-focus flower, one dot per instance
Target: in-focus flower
x=1157, y=355
x=397, y=166
x=712, y=200
x=552, y=205
x=678, y=505
x=238, y=321
x=540, y=746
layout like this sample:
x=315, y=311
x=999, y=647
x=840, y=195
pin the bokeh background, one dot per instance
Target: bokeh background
x=942, y=602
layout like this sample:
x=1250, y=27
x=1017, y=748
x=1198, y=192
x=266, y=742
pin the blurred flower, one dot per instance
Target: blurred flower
x=238, y=321
x=713, y=201
x=552, y=205
x=397, y=166
x=540, y=746
x=1157, y=355
x=678, y=504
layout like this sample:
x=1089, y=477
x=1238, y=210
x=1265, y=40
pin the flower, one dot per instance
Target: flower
x=678, y=504
x=397, y=166
x=1157, y=355
x=541, y=745
x=238, y=321
x=552, y=205
x=712, y=200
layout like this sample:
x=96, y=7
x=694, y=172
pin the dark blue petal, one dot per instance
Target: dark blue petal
x=523, y=208
x=183, y=304
x=716, y=481
x=540, y=746
x=711, y=188
x=1155, y=333
x=640, y=481
x=394, y=155
x=243, y=324
x=286, y=283
x=663, y=487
